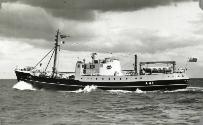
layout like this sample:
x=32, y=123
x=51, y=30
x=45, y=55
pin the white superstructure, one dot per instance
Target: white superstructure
x=105, y=67
x=109, y=70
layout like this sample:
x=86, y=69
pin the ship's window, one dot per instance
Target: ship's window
x=81, y=78
x=140, y=77
x=84, y=71
x=135, y=77
x=109, y=79
x=96, y=61
x=96, y=78
x=102, y=78
x=114, y=78
x=126, y=78
x=120, y=78
x=109, y=67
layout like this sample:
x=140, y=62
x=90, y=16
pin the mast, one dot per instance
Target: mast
x=135, y=65
x=54, y=72
x=56, y=46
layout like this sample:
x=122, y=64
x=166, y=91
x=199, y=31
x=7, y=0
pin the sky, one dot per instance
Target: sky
x=155, y=30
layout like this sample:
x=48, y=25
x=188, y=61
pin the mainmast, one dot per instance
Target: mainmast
x=55, y=53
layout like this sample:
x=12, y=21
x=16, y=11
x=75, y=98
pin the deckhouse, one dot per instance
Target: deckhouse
x=98, y=67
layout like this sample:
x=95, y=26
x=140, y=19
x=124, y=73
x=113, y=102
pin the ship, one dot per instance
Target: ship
x=105, y=74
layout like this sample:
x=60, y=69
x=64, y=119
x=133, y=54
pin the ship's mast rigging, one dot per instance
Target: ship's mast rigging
x=54, y=52
x=56, y=48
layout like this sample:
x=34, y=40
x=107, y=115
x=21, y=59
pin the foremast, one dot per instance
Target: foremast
x=54, y=72
x=56, y=49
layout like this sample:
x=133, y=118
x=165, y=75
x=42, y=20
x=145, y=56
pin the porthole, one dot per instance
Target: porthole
x=96, y=78
x=140, y=77
x=126, y=78
x=102, y=78
x=114, y=78
x=109, y=78
x=120, y=78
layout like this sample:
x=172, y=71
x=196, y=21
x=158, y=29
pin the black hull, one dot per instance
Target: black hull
x=72, y=85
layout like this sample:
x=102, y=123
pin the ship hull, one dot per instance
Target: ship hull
x=72, y=85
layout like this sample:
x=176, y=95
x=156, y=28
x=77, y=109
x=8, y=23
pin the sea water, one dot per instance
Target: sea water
x=21, y=104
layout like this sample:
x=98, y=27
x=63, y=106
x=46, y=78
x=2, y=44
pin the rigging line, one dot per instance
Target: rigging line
x=59, y=57
x=49, y=60
x=44, y=57
x=57, y=63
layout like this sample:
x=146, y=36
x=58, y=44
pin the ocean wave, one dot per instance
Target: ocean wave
x=195, y=88
x=188, y=89
x=139, y=91
x=21, y=85
x=125, y=91
x=87, y=89
x=119, y=91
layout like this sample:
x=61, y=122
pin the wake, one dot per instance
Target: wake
x=87, y=89
x=21, y=85
x=138, y=91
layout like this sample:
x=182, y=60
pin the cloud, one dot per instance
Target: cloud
x=35, y=26
x=18, y=20
x=31, y=22
x=135, y=40
x=83, y=10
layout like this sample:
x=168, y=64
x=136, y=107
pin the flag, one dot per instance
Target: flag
x=63, y=36
x=192, y=60
x=201, y=4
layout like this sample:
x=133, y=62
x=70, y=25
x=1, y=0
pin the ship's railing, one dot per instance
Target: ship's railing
x=156, y=62
x=68, y=75
x=129, y=72
x=48, y=74
x=28, y=68
x=156, y=67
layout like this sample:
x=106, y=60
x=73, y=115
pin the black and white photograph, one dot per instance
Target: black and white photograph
x=101, y=62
